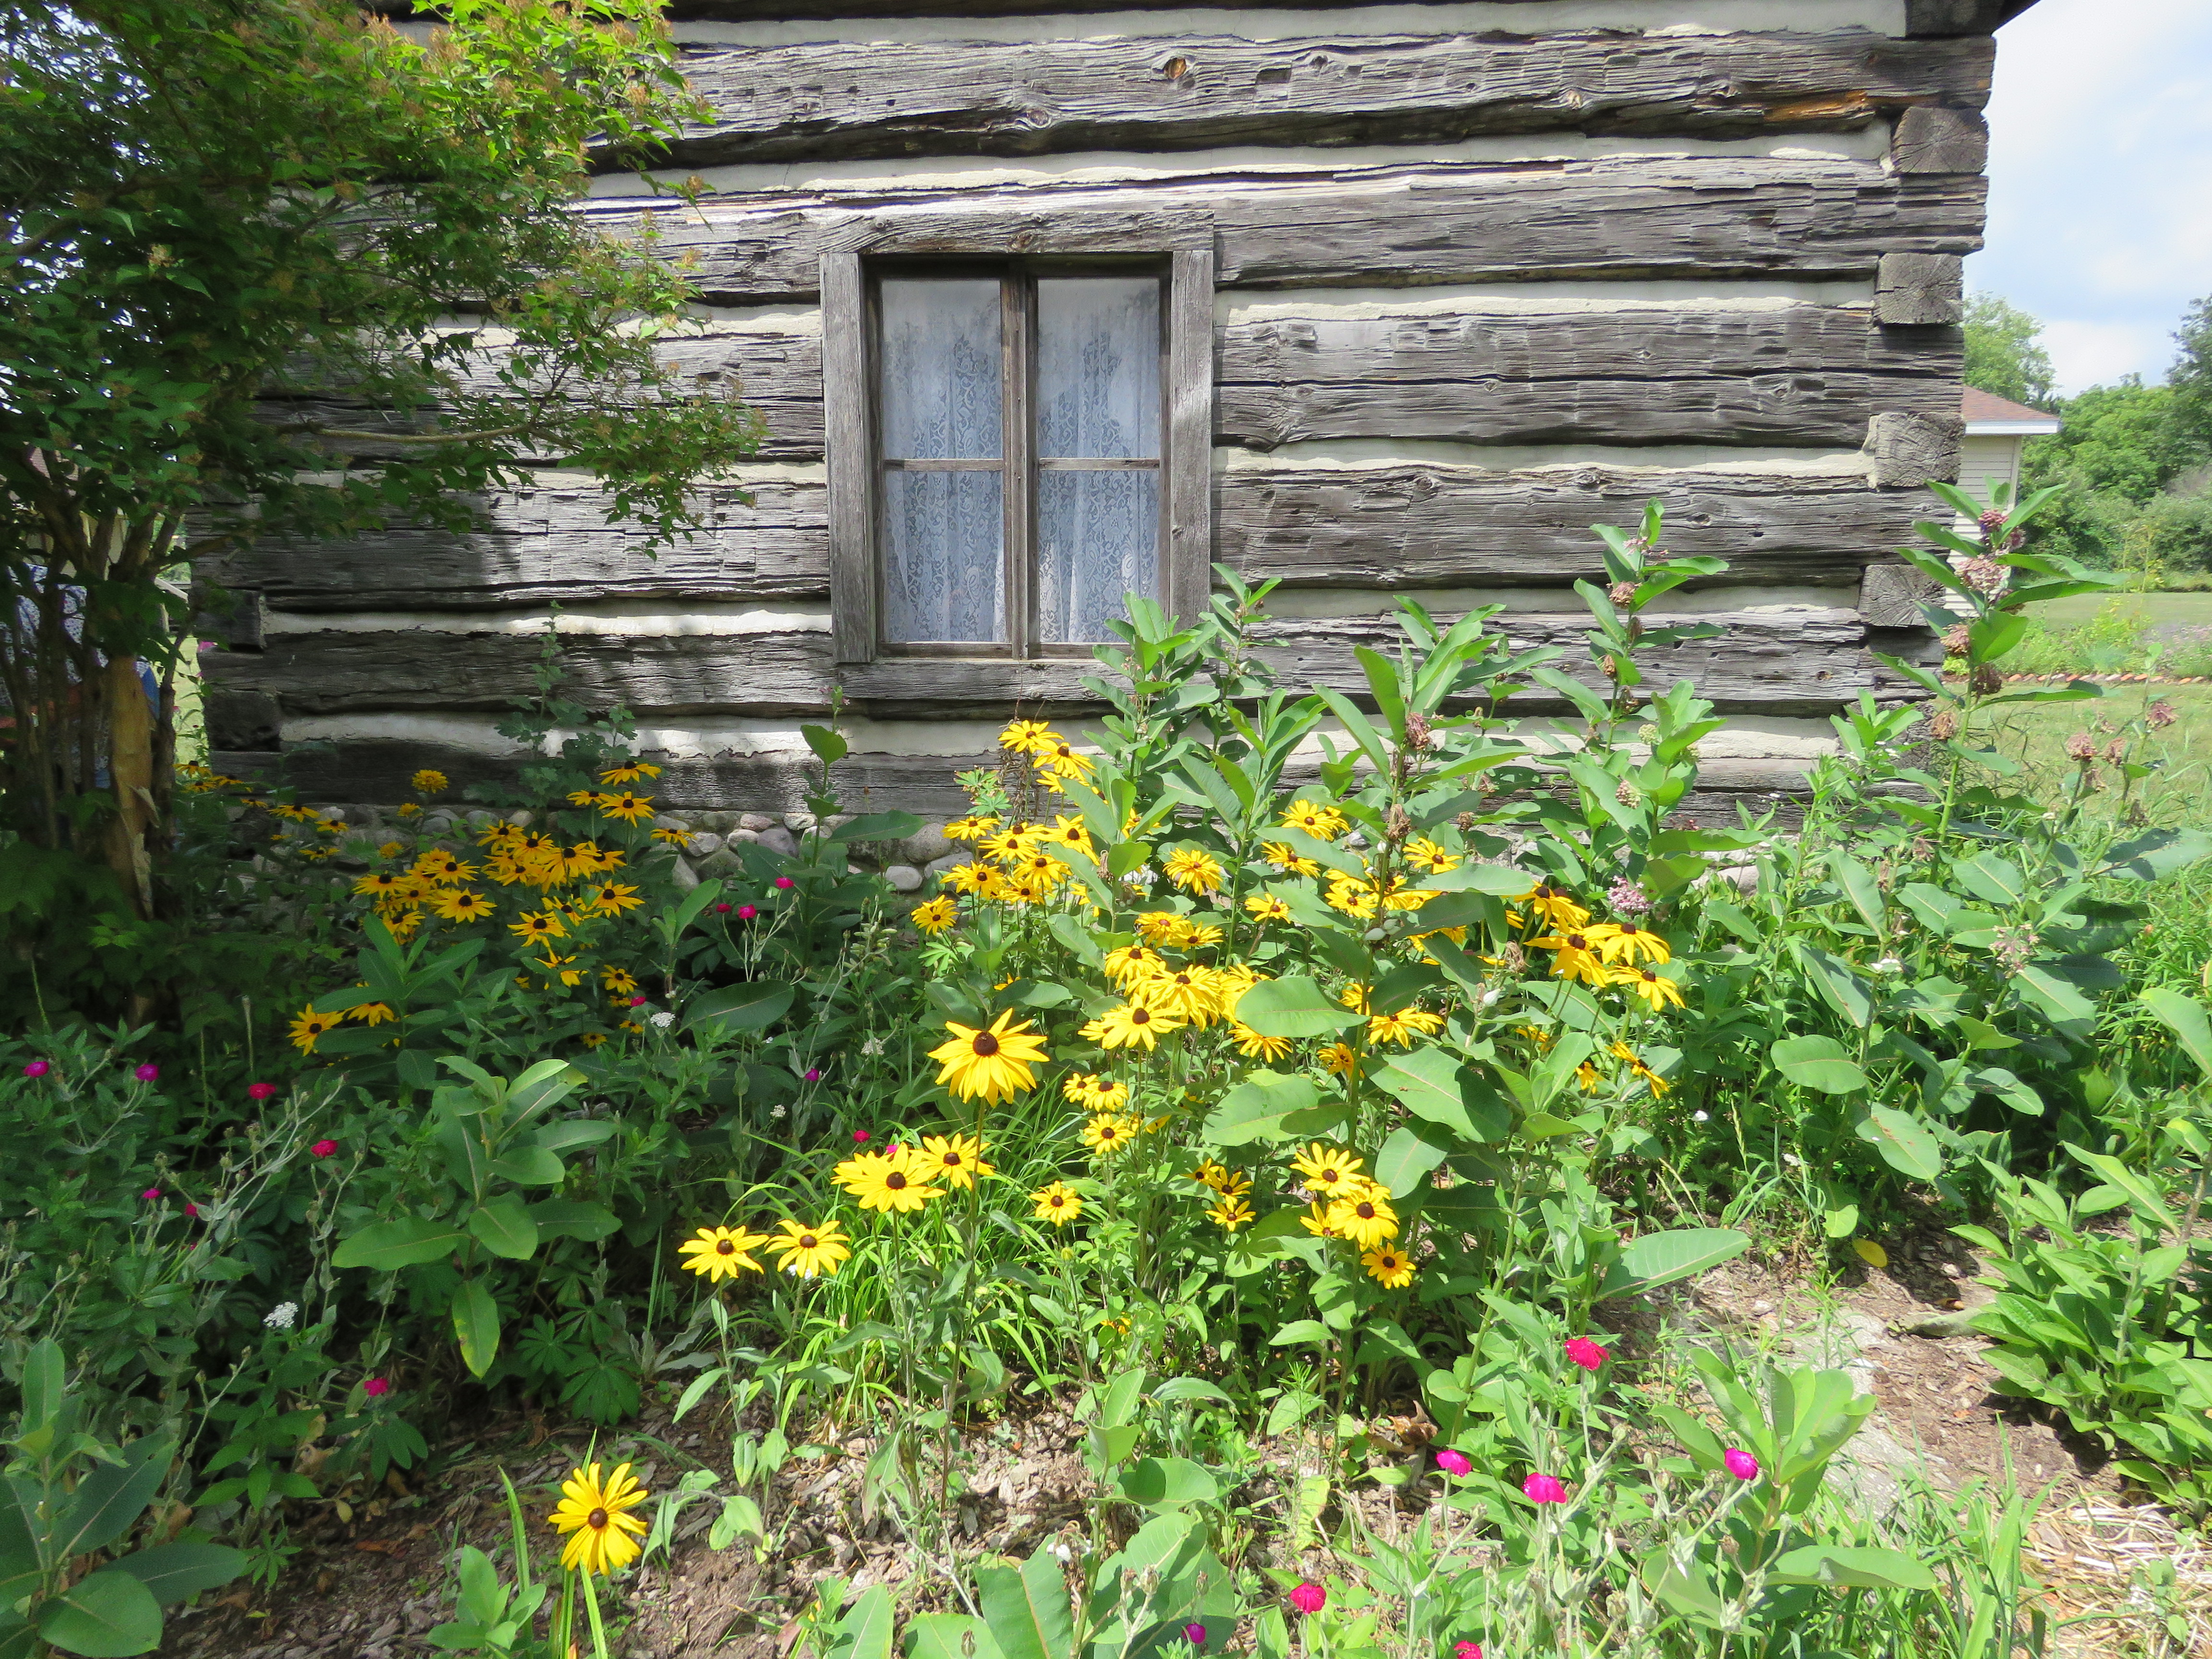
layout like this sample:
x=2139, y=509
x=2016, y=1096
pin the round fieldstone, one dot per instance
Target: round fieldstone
x=904, y=877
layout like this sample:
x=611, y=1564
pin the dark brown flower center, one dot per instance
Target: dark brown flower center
x=1326, y=1174
x=1628, y=930
x=1366, y=1211
x=1140, y=1017
x=1577, y=942
x=723, y=1247
x=952, y=1160
x=1056, y=1201
x=985, y=1044
x=807, y=1241
x=894, y=1180
x=597, y=1518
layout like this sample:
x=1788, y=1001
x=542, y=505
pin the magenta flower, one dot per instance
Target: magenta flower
x=1586, y=1354
x=860, y=1137
x=38, y=1068
x=746, y=912
x=1196, y=1633
x=637, y=1002
x=376, y=1388
x=151, y=1194
x=260, y=1091
x=723, y=909
x=1309, y=1597
x=1468, y=1650
x=1741, y=1463
x=324, y=1149
x=147, y=1072
x=192, y=1209
x=1454, y=1462
x=814, y=1074
x=1544, y=1489
x=785, y=883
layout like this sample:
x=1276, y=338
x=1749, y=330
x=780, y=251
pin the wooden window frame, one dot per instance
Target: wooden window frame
x=1180, y=245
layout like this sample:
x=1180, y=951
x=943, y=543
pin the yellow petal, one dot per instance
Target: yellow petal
x=1870, y=1253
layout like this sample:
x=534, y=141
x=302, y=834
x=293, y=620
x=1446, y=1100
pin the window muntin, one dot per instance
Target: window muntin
x=1018, y=419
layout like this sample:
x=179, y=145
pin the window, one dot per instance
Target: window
x=1015, y=443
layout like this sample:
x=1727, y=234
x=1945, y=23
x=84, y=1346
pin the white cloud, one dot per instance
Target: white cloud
x=2100, y=177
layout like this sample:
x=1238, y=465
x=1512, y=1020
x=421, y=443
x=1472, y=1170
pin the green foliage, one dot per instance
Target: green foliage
x=2004, y=351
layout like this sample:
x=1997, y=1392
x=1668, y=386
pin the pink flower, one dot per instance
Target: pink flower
x=38, y=1068
x=1454, y=1462
x=260, y=1091
x=637, y=1002
x=1196, y=1633
x=1468, y=1650
x=324, y=1149
x=723, y=909
x=1544, y=1489
x=192, y=1209
x=814, y=1074
x=1309, y=1597
x=860, y=1137
x=1741, y=1463
x=376, y=1388
x=147, y=1072
x=785, y=883
x=1586, y=1354
x=151, y=1194
x=746, y=912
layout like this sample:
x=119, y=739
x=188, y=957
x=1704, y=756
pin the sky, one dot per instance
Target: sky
x=2100, y=180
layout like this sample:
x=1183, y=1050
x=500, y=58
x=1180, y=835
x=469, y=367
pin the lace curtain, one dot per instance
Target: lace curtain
x=1097, y=379
x=943, y=564
x=1099, y=397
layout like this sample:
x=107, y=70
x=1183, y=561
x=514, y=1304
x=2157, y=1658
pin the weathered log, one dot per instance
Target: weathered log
x=1945, y=17
x=548, y=544
x=1935, y=140
x=1801, y=375
x=1920, y=290
x=1768, y=660
x=1700, y=217
x=1911, y=450
x=376, y=770
x=1892, y=593
x=1438, y=526
x=824, y=101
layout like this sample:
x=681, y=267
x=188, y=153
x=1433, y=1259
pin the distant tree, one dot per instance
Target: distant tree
x=275, y=266
x=2190, y=376
x=2004, y=351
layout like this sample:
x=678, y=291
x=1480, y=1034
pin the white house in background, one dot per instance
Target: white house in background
x=1996, y=429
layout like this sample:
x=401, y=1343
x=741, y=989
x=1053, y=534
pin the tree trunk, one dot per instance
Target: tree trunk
x=131, y=743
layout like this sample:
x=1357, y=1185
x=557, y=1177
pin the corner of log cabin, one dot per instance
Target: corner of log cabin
x=1474, y=289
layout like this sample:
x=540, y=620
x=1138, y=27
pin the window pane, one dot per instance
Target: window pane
x=1098, y=539
x=940, y=368
x=1098, y=365
x=944, y=578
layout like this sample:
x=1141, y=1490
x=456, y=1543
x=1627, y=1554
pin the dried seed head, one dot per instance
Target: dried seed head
x=1984, y=575
x=1987, y=681
x=2081, y=747
x=1417, y=731
x=2160, y=715
x=1622, y=593
x=1956, y=639
x=1943, y=726
x=1397, y=826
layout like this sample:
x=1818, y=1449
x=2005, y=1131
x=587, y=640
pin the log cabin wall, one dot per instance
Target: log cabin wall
x=1485, y=274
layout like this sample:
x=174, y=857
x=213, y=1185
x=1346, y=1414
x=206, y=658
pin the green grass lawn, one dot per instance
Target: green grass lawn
x=2180, y=793
x=2156, y=610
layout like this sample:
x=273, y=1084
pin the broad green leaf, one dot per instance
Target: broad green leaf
x=530, y=1165
x=1167, y=1483
x=2185, y=1016
x=175, y=1571
x=45, y=1383
x=747, y=1007
x=112, y=1496
x=1656, y=1259
x=1029, y=1611
x=1818, y=1062
x=1255, y=1108
x=568, y=1217
x=865, y=1631
x=1860, y=887
x=1299, y=1330
x=109, y=1615
x=1903, y=1141
x=1189, y=1388
x=1405, y=1161
x=1292, y=1008
x=1852, y=1567
x=949, y=1635
x=876, y=826
x=2158, y=854
x=1118, y=1404
x=1839, y=986
x=475, y=1326
x=1992, y=879
x=504, y=1228
x=2039, y=985
x=392, y=1245
x=829, y=746
x=1432, y=1084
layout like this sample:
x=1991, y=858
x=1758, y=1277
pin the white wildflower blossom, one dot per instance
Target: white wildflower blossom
x=663, y=1020
x=1889, y=965
x=873, y=1046
x=280, y=1317
x=1700, y=1117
